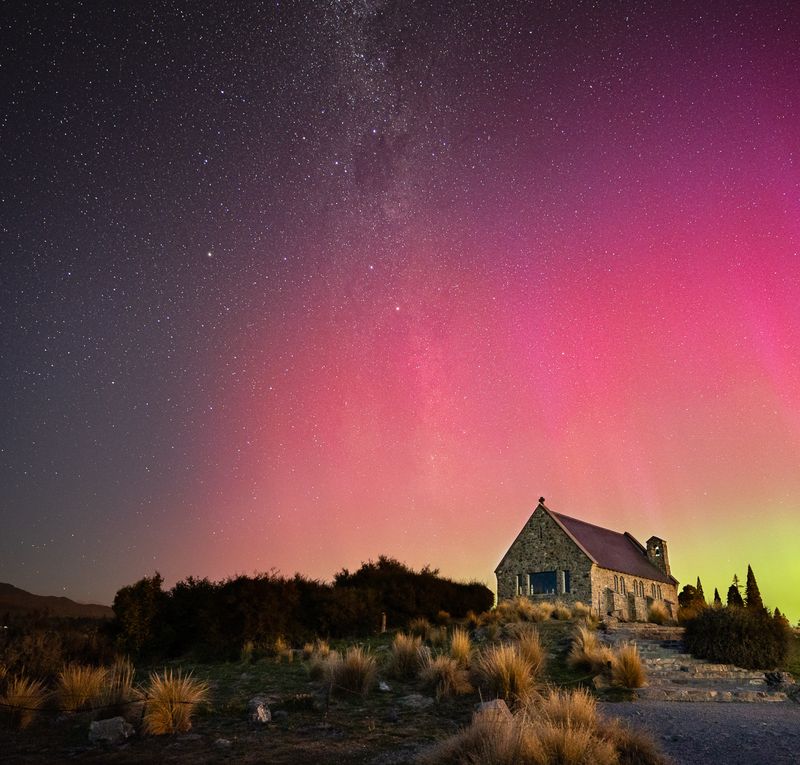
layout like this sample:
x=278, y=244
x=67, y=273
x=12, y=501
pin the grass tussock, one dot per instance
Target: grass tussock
x=355, y=672
x=80, y=687
x=419, y=626
x=505, y=673
x=170, y=699
x=530, y=647
x=119, y=690
x=23, y=698
x=561, y=611
x=580, y=610
x=437, y=636
x=282, y=650
x=444, y=676
x=543, y=611
x=657, y=613
x=587, y=653
x=627, y=669
x=461, y=647
x=404, y=656
x=562, y=728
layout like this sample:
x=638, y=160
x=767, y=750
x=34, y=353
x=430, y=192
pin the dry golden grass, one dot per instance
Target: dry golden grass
x=419, y=626
x=627, y=670
x=573, y=746
x=246, y=651
x=587, y=653
x=657, y=613
x=561, y=611
x=319, y=647
x=506, y=674
x=564, y=709
x=461, y=646
x=355, y=672
x=444, y=676
x=437, y=636
x=543, y=611
x=23, y=698
x=580, y=610
x=529, y=645
x=119, y=684
x=473, y=620
x=323, y=666
x=282, y=650
x=170, y=699
x=404, y=656
x=562, y=728
x=634, y=747
x=79, y=687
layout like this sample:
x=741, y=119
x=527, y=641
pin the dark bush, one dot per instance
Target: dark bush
x=744, y=637
x=213, y=620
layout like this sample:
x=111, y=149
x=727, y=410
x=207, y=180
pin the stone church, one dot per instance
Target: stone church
x=556, y=557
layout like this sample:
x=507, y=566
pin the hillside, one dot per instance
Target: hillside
x=13, y=600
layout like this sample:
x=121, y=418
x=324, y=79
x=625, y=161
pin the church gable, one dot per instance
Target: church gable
x=544, y=559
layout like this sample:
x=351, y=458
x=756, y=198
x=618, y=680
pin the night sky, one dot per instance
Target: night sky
x=294, y=285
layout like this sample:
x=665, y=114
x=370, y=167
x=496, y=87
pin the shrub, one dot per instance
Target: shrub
x=444, y=676
x=404, y=656
x=356, y=672
x=23, y=698
x=170, y=700
x=627, y=670
x=746, y=637
x=657, y=613
x=461, y=646
x=506, y=673
x=79, y=687
x=587, y=653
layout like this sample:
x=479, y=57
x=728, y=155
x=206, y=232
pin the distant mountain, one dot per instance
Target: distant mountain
x=16, y=601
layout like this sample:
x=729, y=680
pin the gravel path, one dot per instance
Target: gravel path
x=713, y=732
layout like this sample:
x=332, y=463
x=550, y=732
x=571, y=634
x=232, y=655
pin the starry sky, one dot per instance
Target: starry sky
x=292, y=285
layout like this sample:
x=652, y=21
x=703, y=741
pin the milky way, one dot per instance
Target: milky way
x=296, y=285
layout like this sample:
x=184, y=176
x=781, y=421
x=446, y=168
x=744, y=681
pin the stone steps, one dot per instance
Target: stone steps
x=674, y=675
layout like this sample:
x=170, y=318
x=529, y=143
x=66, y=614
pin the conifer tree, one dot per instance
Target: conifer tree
x=700, y=594
x=752, y=594
x=734, y=596
x=717, y=599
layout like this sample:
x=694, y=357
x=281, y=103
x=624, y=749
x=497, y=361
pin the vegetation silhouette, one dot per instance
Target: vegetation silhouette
x=214, y=620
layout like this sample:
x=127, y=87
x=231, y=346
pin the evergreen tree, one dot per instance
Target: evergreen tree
x=752, y=594
x=717, y=599
x=687, y=596
x=700, y=594
x=734, y=596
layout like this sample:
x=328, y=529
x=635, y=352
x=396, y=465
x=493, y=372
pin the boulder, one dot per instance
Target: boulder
x=258, y=711
x=111, y=731
x=496, y=707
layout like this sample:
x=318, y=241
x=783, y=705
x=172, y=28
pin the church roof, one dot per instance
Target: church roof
x=610, y=549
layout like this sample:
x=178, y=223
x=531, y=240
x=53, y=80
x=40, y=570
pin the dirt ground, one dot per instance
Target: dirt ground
x=712, y=732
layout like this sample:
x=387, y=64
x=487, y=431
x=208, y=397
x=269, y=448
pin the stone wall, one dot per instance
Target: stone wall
x=622, y=601
x=542, y=545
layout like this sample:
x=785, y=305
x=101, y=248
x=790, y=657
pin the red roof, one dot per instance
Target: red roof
x=611, y=549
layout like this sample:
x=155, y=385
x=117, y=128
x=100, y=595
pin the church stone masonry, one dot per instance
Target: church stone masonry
x=558, y=557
